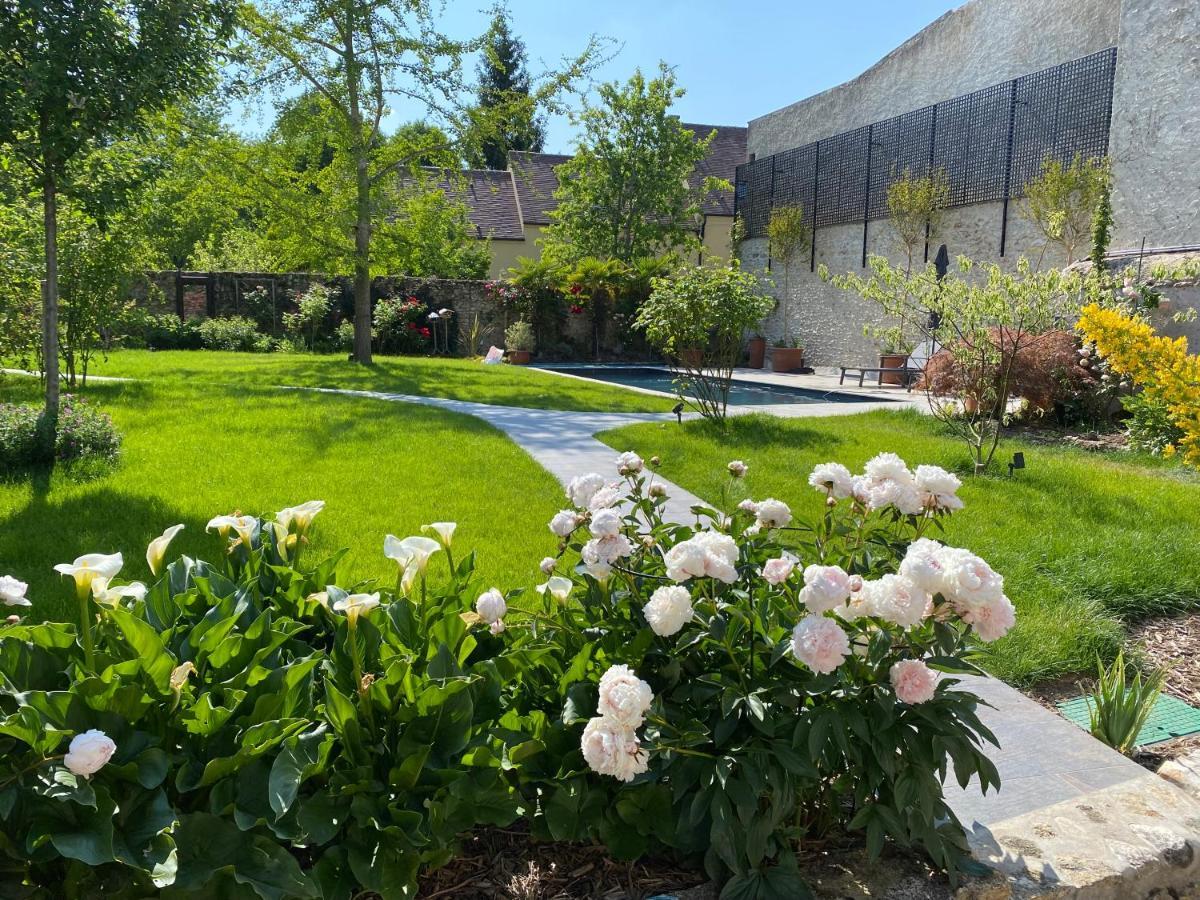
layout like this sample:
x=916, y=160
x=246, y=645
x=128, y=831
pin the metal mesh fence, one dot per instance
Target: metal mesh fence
x=989, y=143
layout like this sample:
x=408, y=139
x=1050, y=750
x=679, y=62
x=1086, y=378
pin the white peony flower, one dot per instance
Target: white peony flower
x=913, y=681
x=772, y=513
x=991, y=618
x=605, y=497
x=820, y=644
x=89, y=567
x=610, y=748
x=443, y=530
x=738, y=469
x=549, y=564
x=629, y=463
x=112, y=596
x=777, y=571
x=497, y=627
x=833, y=479
x=923, y=564
x=157, y=548
x=605, y=523
x=581, y=488
x=894, y=599
x=491, y=606
x=558, y=586
x=12, y=592
x=656, y=490
x=887, y=467
x=939, y=488
x=748, y=506
x=668, y=610
x=705, y=554
x=904, y=495
x=825, y=588
x=624, y=697
x=968, y=580
x=564, y=523
x=89, y=752
x=301, y=516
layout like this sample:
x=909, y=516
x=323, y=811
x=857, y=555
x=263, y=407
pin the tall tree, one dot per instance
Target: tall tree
x=504, y=86
x=359, y=54
x=629, y=190
x=74, y=74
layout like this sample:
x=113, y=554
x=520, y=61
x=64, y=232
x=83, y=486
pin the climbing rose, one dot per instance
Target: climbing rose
x=610, y=748
x=581, y=488
x=12, y=592
x=88, y=753
x=939, y=488
x=913, y=681
x=629, y=463
x=820, y=644
x=605, y=523
x=738, y=469
x=564, y=523
x=708, y=553
x=772, y=513
x=825, y=588
x=491, y=606
x=624, y=697
x=669, y=609
x=832, y=478
x=777, y=571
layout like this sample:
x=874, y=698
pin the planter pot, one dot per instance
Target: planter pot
x=692, y=359
x=892, y=361
x=519, y=357
x=786, y=359
x=758, y=352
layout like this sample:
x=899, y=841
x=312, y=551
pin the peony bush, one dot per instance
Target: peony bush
x=738, y=686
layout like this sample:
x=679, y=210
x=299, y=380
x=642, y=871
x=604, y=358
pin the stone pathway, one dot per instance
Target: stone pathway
x=1073, y=818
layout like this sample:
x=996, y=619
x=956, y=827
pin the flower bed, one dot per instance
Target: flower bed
x=83, y=433
x=260, y=727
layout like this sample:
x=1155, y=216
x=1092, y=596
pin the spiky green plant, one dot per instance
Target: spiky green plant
x=1119, y=708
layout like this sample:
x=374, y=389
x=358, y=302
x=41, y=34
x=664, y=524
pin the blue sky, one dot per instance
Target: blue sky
x=737, y=60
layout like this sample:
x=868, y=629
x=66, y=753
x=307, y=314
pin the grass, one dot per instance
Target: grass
x=457, y=379
x=1086, y=543
x=195, y=450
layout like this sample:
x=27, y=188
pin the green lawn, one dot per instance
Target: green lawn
x=197, y=450
x=1085, y=542
x=457, y=379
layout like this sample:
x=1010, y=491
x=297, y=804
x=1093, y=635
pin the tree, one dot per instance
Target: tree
x=915, y=206
x=504, y=86
x=1061, y=202
x=627, y=191
x=356, y=55
x=787, y=232
x=73, y=74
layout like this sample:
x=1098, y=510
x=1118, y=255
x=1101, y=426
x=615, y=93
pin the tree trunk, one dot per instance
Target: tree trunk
x=362, y=270
x=49, y=427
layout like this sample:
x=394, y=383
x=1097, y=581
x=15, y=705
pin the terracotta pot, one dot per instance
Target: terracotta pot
x=758, y=352
x=786, y=359
x=519, y=357
x=692, y=359
x=892, y=361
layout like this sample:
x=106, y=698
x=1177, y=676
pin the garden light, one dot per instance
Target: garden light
x=1018, y=462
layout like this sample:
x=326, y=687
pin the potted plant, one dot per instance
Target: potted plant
x=518, y=341
x=787, y=355
x=757, y=349
x=895, y=347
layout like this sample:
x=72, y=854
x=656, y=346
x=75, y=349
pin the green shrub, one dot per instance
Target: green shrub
x=1150, y=425
x=519, y=336
x=84, y=433
x=1118, y=708
x=401, y=325
x=233, y=333
x=138, y=328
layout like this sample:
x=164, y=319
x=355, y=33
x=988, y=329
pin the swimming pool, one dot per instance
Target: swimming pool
x=742, y=393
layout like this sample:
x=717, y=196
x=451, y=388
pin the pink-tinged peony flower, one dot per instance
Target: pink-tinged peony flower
x=669, y=609
x=991, y=618
x=605, y=523
x=939, y=488
x=967, y=579
x=772, y=513
x=89, y=752
x=833, y=479
x=825, y=588
x=923, y=564
x=491, y=606
x=12, y=592
x=705, y=554
x=629, y=463
x=657, y=490
x=738, y=469
x=582, y=488
x=610, y=748
x=564, y=523
x=624, y=697
x=605, y=498
x=777, y=571
x=749, y=506
x=894, y=599
x=820, y=644
x=497, y=627
x=913, y=681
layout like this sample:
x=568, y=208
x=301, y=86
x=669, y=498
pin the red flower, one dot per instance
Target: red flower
x=576, y=309
x=412, y=326
x=425, y=332
x=577, y=289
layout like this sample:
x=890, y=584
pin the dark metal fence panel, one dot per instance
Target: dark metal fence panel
x=989, y=143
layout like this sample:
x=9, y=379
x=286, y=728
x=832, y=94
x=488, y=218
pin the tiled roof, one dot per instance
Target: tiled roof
x=726, y=152
x=490, y=198
x=533, y=174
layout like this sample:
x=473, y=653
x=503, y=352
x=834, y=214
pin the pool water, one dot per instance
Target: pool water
x=742, y=393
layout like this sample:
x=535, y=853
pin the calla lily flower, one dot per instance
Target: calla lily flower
x=158, y=548
x=246, y=527
x=352, y=605
x=411, y=552
x=12, y=592
x=443, y=530
x=89, y=567
x=300, y=516
x=179, y=675
x=112, y=596
x=558, y=586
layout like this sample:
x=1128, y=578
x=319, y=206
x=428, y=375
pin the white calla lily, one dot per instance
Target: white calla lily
x=112, y=596
x=352, y=605
x=246, y=527
x=157, y=549
x=443, y=530
x=87, y=568
x=300, y=516
x=558, y=587
x=411, y=552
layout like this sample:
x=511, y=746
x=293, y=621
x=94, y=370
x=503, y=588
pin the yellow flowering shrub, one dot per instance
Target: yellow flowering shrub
x=1161, y=366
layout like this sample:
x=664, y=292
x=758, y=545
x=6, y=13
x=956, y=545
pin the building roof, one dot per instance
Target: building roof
x=490, y=198
x=726, y=152
x=536, y=182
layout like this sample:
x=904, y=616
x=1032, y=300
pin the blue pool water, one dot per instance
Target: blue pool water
x=742, y=393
